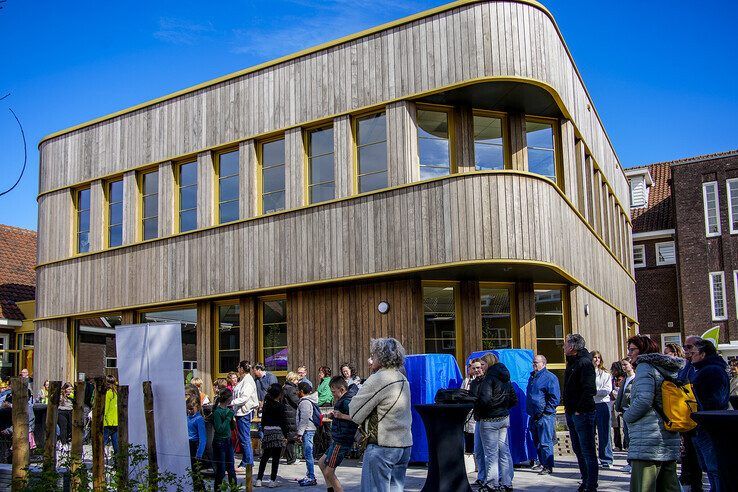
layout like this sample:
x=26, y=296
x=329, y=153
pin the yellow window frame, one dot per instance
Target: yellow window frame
x=76, y=199
x=355, y=119
x=558, y=156
x=506, y=154
x=140, y=177
x=260, y=331
x=450, y=122
x=216, y=335
x=108, y=203
x=458, y=322
x=260, y=172
x=178, y=191
x=512, y=293
x=306, y=136
x=216, y=192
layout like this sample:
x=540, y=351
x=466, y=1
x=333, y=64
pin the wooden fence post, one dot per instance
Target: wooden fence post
x=122, y=458
x=51, y=416
x=78, y=431
x=150, y=433
x=96, y=435
x=21, y=445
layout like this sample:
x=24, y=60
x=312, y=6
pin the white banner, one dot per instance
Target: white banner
x=153, y=352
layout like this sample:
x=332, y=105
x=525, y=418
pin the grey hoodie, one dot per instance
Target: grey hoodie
x=304, y=412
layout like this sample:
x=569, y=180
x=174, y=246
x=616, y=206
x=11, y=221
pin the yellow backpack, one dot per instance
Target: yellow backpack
x=677, y=404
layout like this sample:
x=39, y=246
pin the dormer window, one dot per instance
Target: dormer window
x=640, y=181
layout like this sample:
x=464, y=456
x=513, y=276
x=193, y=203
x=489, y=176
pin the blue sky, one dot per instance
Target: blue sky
x=663, y=75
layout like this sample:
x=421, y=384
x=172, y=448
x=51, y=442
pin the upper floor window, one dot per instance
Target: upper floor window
x=665, y=254
x=732, y=189
x=83, y=221
x=187, y=180
x=150, y=204
x=228, y=187
x=272, y=161
x=717, y=296
x=371, y=152
x=321, y=175
x=638, y=192
x=115, y=213
x=434, y=148
x=489, y=149
x=712, y=208
x=540, y=138
x=639, y=256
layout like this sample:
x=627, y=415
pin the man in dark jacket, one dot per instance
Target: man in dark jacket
x=711, y=386
x=343, y=431
x=543, y=396
x=263, y=379
x=579, y=392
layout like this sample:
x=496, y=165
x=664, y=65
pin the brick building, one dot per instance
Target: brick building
x=654, y=252
x=685, y=249
x=17, y=305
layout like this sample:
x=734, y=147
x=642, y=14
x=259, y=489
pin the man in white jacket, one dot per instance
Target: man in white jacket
x=245, y=401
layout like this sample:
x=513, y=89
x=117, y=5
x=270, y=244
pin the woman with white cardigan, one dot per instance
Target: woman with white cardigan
x=382, y=407
x=603, y=408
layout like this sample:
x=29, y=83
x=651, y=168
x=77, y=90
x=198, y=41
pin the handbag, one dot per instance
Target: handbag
x=454, y=396
x=370, y=432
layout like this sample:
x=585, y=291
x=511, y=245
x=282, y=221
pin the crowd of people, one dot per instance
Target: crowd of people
x=622, y=406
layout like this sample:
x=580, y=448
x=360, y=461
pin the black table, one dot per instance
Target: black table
x=444, y=426
x=722, y=427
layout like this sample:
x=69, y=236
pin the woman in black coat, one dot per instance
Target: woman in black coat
x=291, y=400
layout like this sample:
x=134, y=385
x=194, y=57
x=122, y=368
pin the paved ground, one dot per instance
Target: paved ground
x=566, y=476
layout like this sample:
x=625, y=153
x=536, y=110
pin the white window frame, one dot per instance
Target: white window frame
x=636, y=181
x=717, y=208
x=730, y=204
x=712, y=296
x=675, y=334
x=673, y=246
x=641, y=247
x=735, y=290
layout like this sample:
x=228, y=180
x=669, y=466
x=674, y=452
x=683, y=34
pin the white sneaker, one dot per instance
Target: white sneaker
x=270, y=484
x=257, y=483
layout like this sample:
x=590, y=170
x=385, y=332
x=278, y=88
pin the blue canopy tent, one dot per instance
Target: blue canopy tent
x=520, y=364
x=427, y=373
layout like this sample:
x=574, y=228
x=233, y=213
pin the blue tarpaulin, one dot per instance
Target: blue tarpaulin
x=427, y=373
x=520, y=364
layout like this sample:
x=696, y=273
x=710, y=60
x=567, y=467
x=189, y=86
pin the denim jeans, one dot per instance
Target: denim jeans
x=497, y=457
x=384, y=469
x=111, y=433
x=582, y=433
x=543, y=432
x=243, y=424
x=707, y=457
x=307, y=449
x=602, y=419
x=479, y=454
x=223, y=461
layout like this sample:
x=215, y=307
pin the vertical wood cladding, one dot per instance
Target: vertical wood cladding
x=478, y=40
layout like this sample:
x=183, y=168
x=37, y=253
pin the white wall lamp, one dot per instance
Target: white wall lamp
x=383, y=307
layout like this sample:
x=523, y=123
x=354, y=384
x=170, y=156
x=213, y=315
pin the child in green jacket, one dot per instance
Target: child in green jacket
x=222, y=447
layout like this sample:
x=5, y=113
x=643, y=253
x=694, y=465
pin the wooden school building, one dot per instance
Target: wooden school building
x=444, y=179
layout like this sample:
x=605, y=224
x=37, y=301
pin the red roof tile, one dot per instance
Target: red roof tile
x=17, y=277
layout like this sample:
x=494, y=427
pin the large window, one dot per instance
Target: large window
x=228, y=188
x=496, y=318
x=187, y=318
x=272, y=160
x=732, y=188
x=187, y=180
x=273, y=334
x=322, y=181
x=434, y=149
x=94, y=346
x=540, y=137
x=150, y=204
x=439, y=310
x=115, y=213
x=371, y=152
x=228, y=338
x=665, y=254
x=712, y=208
x=717, y=296
x=83, y=221
x=550, y=328
x=489, y=148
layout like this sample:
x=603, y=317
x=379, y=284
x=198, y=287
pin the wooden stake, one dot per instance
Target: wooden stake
x=150, y=433
x=122, y=458
x=78, y=431
x=248, y=480
x=52, y=409
x=21, y=445
x=96, y=435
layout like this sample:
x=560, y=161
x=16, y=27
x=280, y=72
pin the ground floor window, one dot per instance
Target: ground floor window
x=228, y=338
x=439, y=313
x=497, y=328
x=187, y=318
x=95, y=346
x=273, y=334
x=551, y=328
